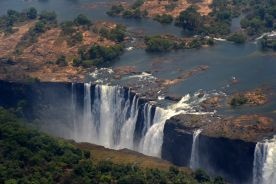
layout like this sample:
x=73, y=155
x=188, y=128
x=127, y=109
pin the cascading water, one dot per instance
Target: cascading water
x=113, y=117
x=264, y=170
x=194, y=160
x=152, y=142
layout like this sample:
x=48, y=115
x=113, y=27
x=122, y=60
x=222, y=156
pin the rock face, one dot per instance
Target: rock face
x=227, y=157
x=177, y=144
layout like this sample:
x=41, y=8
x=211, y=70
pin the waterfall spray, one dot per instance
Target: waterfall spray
x=110, y=118
x=264, y=169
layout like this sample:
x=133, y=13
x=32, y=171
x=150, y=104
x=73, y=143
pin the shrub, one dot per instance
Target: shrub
x=82, y=20
x=201, y=176
x=32, y=13
x=61, y=61
x=117, y=34
x=39, y=27
x=115, y=10
x=159, y=44
x=238, y=100
x=238, y=38
x=48, y=16
x=189, y=19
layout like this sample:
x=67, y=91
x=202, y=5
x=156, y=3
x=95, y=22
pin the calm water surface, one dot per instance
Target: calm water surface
x=252, y=67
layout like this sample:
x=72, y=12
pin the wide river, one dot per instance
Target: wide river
x=252, y=67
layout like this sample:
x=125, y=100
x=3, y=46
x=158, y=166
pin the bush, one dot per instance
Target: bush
x=32, y=13
x=133, y=13
x=82, y=20
x=39, y=27
x=238, y=100
x=68, y=27
x=48, y=16
x=201, y=176
x=115, y=10
x=189, y=19
x=238, y=38
x=159, y=44
x=117, y=34
x=105, y=53
x=137, y=4
x=61, y=61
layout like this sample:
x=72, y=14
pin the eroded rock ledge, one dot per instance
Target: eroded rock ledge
x=225, y=146
x=250, y=128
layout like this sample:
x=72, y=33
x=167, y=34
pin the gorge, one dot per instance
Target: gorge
x=117, y=118
x=138, y=91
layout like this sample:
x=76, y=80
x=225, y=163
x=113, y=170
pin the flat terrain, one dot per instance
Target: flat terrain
x=156, y=7
x=124, y=156
x=38, y=59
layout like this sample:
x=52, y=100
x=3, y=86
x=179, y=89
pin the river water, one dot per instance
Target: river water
x=252, y=67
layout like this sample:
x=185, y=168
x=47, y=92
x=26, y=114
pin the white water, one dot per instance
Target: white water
x=269, y=34
x=194, y=160
x=110, y=119
x=151, y=144
x=264, y=171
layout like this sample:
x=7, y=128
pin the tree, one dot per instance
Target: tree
x=82, y=20
x=32, y=13
x=237, y=38
x=61, y=61
x=189, y=19
x=40, y=27
x=158, y=44
x=201, y=176
x=48, y=16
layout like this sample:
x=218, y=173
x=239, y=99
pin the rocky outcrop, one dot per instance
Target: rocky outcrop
x=225, y=146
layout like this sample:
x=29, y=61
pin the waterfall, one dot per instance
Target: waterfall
x=194, y=160
x=127, y=132
x=152, y=141
x=87, y=128
x=264, y=168
x=113, y=117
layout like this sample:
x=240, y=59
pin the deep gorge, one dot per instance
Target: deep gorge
x=116, y=118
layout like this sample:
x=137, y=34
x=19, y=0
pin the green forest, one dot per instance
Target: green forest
x=29, y=156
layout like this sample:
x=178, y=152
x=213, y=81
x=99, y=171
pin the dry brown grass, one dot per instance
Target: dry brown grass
x=155, y=7
x=38, y=60
x=125, y=156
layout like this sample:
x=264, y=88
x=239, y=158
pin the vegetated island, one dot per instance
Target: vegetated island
x=34, y=46
x=211, y=18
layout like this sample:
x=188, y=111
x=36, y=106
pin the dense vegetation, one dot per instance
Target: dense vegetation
x=28, y=156
x=116, y=34
x=268, y=43
x=131, y=12
x=165, y=43
x=238, y=100
x=159, y=44
x=237, y=38
x=261, y=17
x=98, y=55
x=72, y=32
x=71, y=29
x=257, y=17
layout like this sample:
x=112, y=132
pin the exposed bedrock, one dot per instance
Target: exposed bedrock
x=221, y=152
